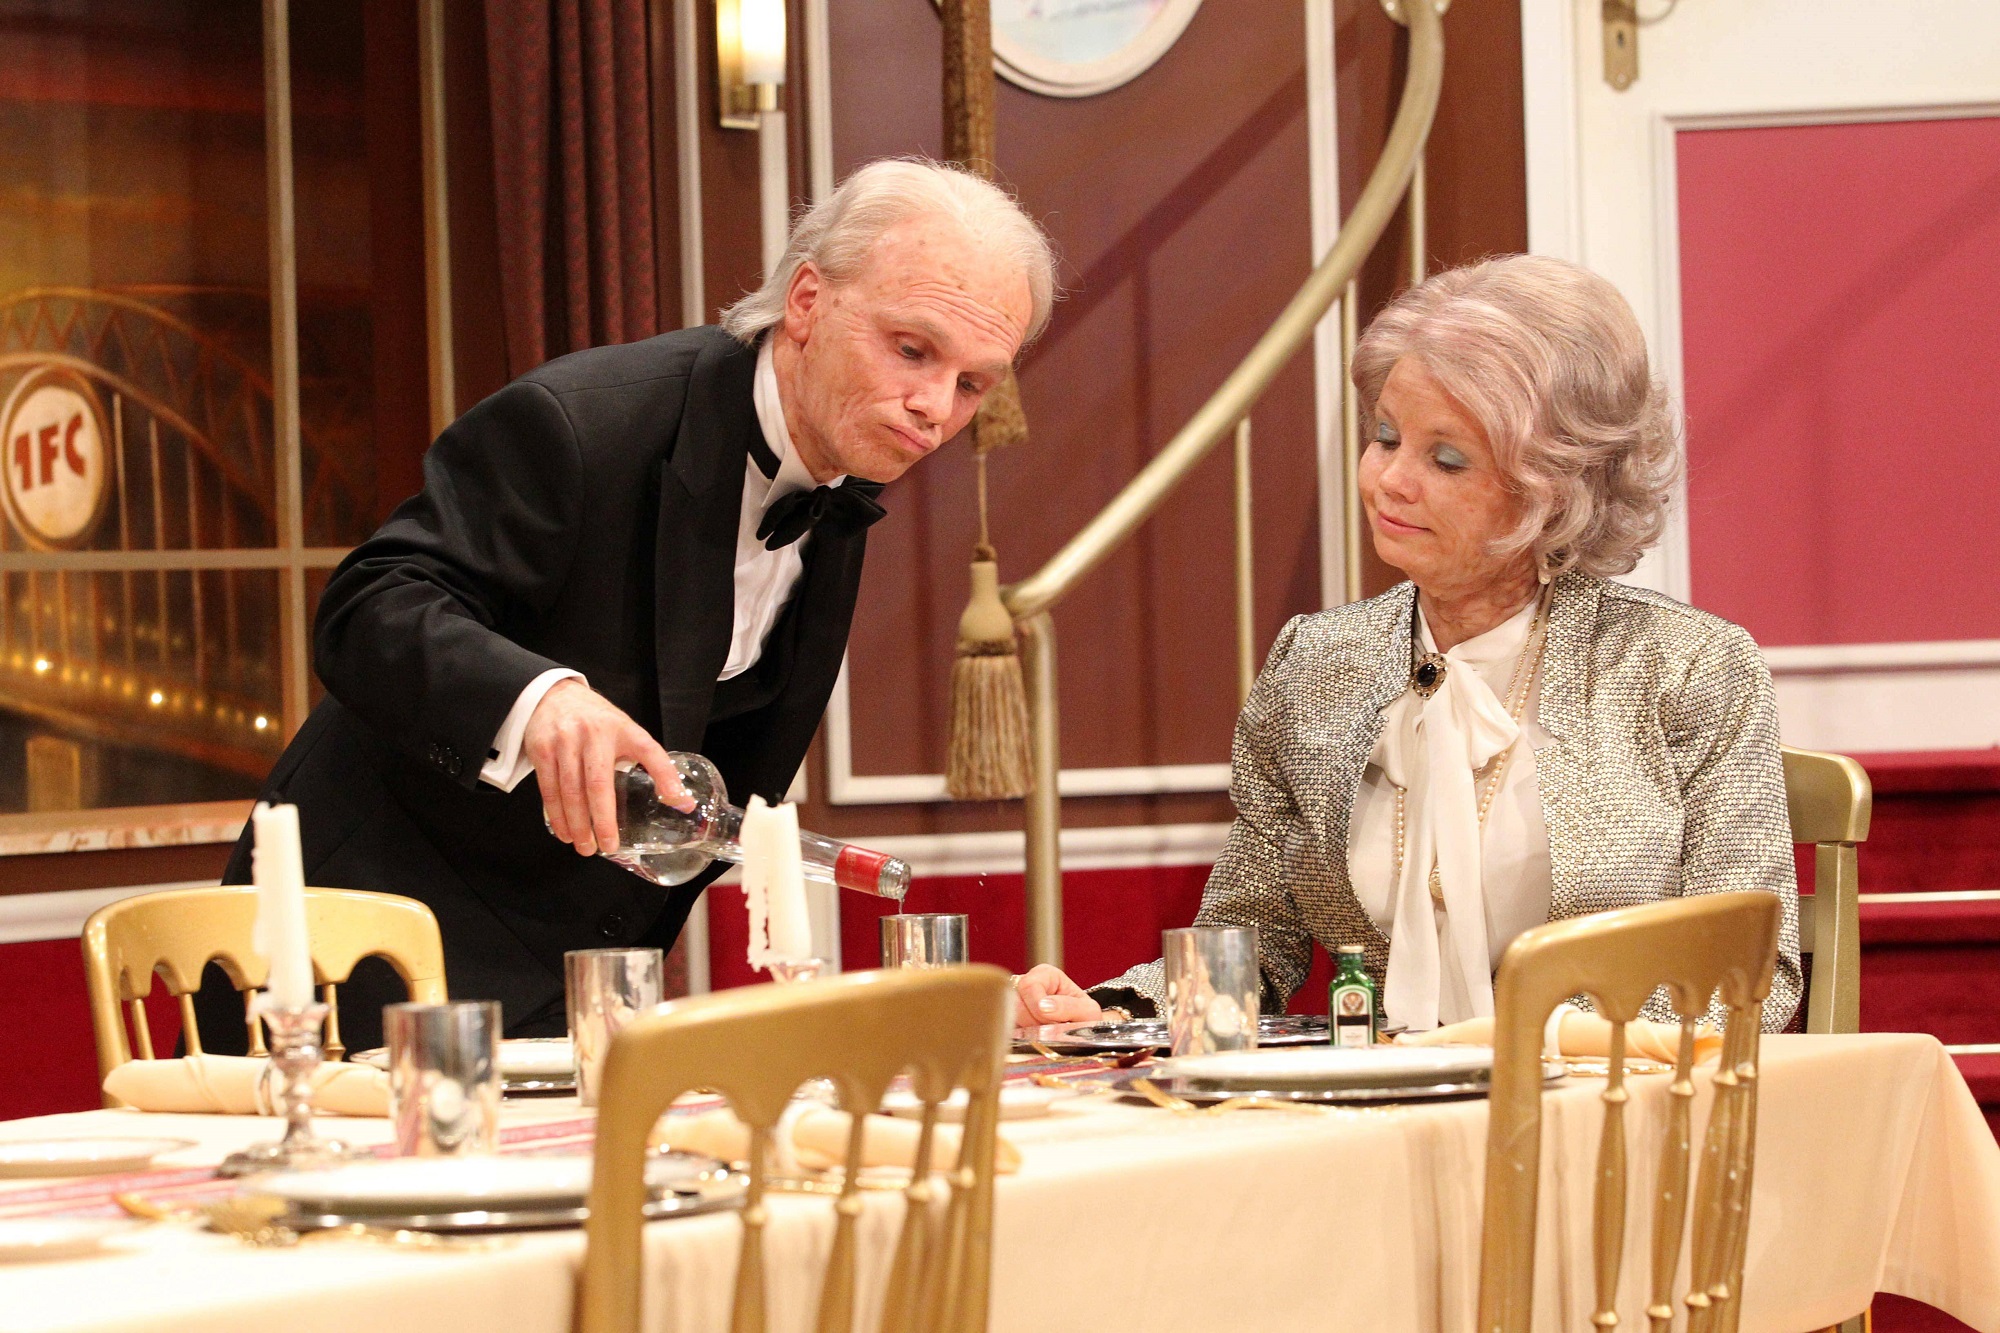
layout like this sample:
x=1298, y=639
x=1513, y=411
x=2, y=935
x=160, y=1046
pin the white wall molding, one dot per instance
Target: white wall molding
x=1831, y=658
x=1869, y=712
x=1329, y=377
x=1548, y=114
x=819, y=100
x=774, y=188
x=60, y=916
x=687, y=156
x=1725, y=116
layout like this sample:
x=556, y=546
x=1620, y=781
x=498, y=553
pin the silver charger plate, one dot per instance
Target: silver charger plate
x=512, y=1087
x=512, y=1082
x=711, y=1200
x=1150, y=1034
x=1204, y=1092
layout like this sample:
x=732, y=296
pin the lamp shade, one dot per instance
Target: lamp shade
x=763, y=35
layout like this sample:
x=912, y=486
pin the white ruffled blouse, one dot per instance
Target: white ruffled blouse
x=1495, y=881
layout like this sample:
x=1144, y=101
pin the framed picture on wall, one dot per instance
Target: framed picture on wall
x=1078, y=48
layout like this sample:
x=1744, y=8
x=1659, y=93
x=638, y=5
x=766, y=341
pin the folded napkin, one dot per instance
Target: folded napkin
x=1584, y=1036
x=818, y=1139
x=235, y=1085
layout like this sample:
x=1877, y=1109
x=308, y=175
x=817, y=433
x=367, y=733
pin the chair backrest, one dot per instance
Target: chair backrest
x=1691, y=946
x=947, y=1028
x=176, y=933
x=1830, y=801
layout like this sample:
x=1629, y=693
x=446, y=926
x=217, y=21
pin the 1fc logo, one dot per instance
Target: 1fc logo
x=55, y=458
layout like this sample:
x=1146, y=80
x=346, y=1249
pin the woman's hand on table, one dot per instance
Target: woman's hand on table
x=1045, y=994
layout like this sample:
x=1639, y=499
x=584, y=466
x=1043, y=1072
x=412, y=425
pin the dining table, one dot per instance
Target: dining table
x=1874, y=1171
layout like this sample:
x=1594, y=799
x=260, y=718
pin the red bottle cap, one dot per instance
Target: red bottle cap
x=860, y=869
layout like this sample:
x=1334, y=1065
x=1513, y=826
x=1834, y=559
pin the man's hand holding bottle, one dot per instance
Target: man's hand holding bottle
x=576, y=738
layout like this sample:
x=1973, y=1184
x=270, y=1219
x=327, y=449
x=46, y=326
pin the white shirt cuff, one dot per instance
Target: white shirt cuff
x=506, y=765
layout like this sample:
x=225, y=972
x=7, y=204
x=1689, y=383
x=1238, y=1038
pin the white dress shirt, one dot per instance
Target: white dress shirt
x=764, y=579
x=1496, y=880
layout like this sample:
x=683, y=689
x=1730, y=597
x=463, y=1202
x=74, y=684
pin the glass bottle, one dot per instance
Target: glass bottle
x=666, y=845
x=1353, y=1014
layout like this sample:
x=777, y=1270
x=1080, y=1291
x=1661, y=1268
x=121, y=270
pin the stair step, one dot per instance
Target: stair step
x=1936, y=823
x=1930, y=918
x=1981, y=1069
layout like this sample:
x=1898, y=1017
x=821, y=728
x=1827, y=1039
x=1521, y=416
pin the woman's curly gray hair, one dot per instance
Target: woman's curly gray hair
x=837, y=234
x=1547, y=356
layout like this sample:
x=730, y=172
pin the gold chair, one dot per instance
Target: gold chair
x=947, y=1028
x=1692, y=946
x=1830, y=800
x=176, y=933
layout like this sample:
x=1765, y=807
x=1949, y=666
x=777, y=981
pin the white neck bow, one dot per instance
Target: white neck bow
x=1430, y=748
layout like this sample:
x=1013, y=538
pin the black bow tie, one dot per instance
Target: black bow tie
x=790, y=517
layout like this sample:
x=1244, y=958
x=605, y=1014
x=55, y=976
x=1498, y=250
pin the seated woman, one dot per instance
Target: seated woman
x=1508, y=738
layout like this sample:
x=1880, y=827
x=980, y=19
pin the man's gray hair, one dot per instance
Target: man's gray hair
x=837, y=235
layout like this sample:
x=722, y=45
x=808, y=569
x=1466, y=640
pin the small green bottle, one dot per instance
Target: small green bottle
x=1353, y=1017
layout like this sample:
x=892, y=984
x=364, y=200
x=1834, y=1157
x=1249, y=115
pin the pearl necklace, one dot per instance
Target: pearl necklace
x=1426, y=679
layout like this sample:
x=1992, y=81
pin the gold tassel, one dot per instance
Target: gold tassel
x=1000, y=422
x=988, y=758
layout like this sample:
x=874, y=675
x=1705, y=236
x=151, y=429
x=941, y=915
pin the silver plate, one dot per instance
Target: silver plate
x=510, y=1087
x=510, y=1084
x=713, y=1198
x=1150, y=1034
x=1206, y=1092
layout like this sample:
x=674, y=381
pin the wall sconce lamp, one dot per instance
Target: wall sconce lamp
x=750, y=59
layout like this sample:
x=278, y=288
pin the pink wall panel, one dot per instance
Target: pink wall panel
x=1840, y=305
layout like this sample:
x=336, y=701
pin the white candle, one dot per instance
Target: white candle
x=791, y=923
x=278, y=870
x=756, y=878
x=774, y=885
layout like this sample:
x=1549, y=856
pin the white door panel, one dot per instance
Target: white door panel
x=1601, y=173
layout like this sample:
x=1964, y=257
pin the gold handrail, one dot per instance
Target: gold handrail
x=1032, y=598
x=1372, y=211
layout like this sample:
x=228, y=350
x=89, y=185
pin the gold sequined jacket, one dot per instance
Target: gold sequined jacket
x=1662, y=776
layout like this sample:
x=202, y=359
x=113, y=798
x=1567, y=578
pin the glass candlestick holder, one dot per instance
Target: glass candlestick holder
x=295, y=1058
x=786, y=972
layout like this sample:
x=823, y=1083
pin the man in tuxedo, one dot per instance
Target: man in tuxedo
x=628, y=550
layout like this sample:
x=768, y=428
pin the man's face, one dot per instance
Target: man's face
x=883, y=369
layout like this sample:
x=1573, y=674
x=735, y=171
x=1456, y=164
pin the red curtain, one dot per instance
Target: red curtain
x=573, y=174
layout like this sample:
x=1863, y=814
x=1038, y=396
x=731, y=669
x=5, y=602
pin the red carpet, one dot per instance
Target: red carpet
x=1934, y=967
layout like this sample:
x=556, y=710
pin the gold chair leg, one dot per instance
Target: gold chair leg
x=333, y=1048
x=254, y=1023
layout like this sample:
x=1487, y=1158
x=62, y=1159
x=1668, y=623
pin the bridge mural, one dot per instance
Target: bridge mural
x=141, y=577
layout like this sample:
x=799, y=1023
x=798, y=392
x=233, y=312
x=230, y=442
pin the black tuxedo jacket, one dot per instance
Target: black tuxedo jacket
x=584, y=516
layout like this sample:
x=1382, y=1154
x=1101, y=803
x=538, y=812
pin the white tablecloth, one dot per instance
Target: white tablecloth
x=1875, y=1171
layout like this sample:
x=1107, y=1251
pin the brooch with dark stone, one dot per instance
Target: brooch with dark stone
x=1428, y=675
